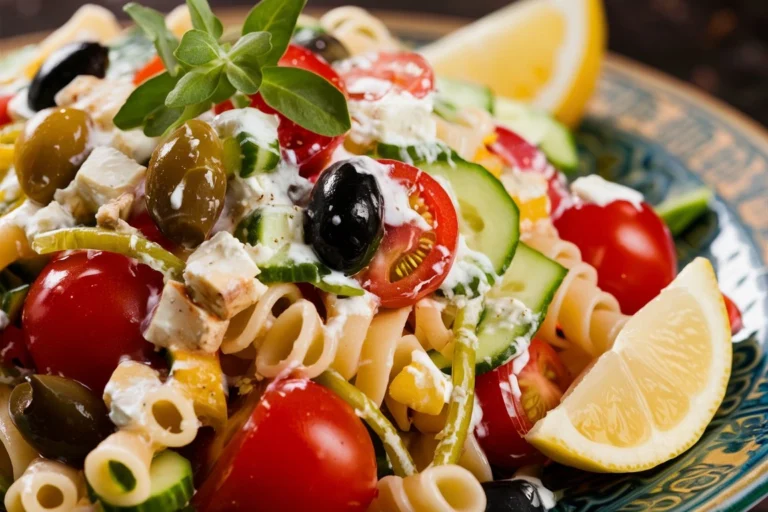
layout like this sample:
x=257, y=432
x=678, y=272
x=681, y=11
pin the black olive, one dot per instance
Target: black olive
x=61, y=67
x=343, y=221
x=60, y=418
x=322, y=44
x=512, y=496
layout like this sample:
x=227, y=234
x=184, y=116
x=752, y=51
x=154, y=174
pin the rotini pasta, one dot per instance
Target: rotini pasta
x=422, y=447
x=46, y=486
x=447, y=488
x=358, y=30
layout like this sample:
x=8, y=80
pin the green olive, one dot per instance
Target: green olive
x=50, y=150
x=60, y=418
x=186, y=183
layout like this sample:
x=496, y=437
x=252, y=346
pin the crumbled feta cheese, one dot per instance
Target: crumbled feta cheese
x=106, y=175
x=134, y=144
x=179, y=322
x=596, y=190
x=100, y=98
x=469, y=272
x=221, y=276
x=525, y=186
x=51, y=217
x=396, y=118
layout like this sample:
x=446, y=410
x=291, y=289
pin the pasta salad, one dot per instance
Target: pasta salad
x=285, y=266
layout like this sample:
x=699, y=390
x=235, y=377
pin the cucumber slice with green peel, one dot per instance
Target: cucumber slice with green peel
x=489, y=217
x=12, y=302
x=532, y=279
x=250, y=141
x=271, y=226
x=170, y=490
x=464, y=94
x=540, y=129
x=681, y=211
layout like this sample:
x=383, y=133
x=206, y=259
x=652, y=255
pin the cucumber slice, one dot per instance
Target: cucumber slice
x=171, y=486
x=271, y=226
x=465, y=94
x=250, y=141
x=532, y=279
x=13, y=300
x=681, y=211
x=539, y=128
x=489, y=217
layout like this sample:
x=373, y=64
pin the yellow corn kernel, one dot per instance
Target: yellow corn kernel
x=421, y=385
x=199, y=376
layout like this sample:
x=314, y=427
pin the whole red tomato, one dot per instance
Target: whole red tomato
x=84, y=313
x=631, y=248
x=512, y=404
x=300, y=448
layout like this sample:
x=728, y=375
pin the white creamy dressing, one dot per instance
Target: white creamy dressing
x=470, y=267
x=596, y=190
x=433, y=376
x=258, y=126
x=18, y=107
x=529, y=474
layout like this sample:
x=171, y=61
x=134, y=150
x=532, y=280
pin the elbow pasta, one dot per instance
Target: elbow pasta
x=134, y=452
x=46, y=486
x=18, y=452
x=447, y=488
x=358, y=30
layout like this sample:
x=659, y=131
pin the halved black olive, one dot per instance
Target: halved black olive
x=512, y=496
x=343, y=221
x=61, y=67
x=322, y=44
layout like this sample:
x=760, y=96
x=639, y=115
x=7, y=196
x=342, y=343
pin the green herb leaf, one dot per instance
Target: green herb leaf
x=277, y=17
x=147, y=98
x=197, y=48
x=306, y=99
x=246, y=79
x=250, y=47
x=152, y=23
x=159, y=122
x=240, y=100
x=204, y=19
x=224, y=91
x=196, y=86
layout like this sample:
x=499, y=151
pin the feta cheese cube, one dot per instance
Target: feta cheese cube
x=106, y=175
x=111, y=213
x=54, y=216
x=221, y=276
x=399, y=119
x=100, y=98
x=180, y=323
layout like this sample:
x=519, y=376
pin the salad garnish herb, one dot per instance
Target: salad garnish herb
x=202, y=71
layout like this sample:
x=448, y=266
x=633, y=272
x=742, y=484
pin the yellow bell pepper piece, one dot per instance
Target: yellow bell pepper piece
x=529, y=191
x=6, y=158
x=198, y=374
x=421, y=385
x=13, y=245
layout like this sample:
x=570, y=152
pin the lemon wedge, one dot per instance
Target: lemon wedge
x=544, y=52
x=651, y=396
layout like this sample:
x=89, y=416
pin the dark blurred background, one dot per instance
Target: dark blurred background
x=718, y=45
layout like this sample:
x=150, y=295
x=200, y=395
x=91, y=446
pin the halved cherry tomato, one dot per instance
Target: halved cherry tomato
x=391, y=72
x=153, y=67
x=13, y=350
x=310, y=151
x=300, y=447
x=734, y=315
x=4, y=117
x=84, y=313
x=411, y=263
x=508, y=414
x=516, y=152
x=631, y=248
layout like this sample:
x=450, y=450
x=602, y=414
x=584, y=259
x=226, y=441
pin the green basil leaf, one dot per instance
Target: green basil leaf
x=250, y=47
x=144, y=100
x=196, y=86
x=159, y=121
x=224, y=91
x=197, y=48
x=152, y=23
x=246, y=79
x=307, y=99
x=204, y=19
x=277, y=17
x=241, y=100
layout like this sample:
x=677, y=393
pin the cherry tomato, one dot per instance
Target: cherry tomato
x=508, y=414
x=411, y=263
x=299, y=448
x=310, y=151
x=144, y=223
x=631, y=248
x=734, y=315
x=516, y=152
x=84, y=312
x=13, y=350
x=4, y=117
x=153, y=67
x=392, y=71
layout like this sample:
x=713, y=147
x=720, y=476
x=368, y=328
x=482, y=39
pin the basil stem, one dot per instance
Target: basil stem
x=454, y=434
x=402, y=464
x=130, y=245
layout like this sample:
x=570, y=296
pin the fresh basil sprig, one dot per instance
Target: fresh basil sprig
x=203, y=71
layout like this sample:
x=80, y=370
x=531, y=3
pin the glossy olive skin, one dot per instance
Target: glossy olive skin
x=322, y=44
x=512, y=496
x=50, y=150
x=186, y=183
x=343, y=220
x=61, y=67
x=60, y=418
